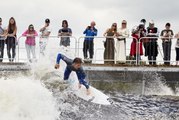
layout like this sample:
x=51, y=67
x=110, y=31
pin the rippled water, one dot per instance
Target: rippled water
x=125, y=106
x=26, y=98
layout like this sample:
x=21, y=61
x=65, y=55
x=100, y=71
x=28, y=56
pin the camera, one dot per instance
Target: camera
x=141, y=26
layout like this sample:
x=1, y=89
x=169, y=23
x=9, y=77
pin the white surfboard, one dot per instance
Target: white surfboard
x=95, y=96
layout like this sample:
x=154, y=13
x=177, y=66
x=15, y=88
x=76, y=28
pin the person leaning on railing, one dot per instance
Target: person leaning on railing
x=167, y=35
x=30, y=35
x=143, y=34
x=11, y=39
x=2, y=39
x=45, y=33
x=152, y=45
x=64, y=32
x=136, y=50
x=122, y=34
x=109, y=44
x=177, y=48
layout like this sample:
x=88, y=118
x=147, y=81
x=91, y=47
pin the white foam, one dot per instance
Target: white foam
x=26, y=99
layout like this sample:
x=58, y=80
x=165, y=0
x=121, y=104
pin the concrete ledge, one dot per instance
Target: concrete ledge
x=130, y=73
x=101, y=67
x=14, y=66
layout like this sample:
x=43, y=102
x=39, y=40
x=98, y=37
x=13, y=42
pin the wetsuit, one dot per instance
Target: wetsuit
x=69, y=68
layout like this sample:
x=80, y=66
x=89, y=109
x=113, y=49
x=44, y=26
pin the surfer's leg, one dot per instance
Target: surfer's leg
x=67, y=73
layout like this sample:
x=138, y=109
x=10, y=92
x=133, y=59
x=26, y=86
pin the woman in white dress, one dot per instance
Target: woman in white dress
x=123, y=33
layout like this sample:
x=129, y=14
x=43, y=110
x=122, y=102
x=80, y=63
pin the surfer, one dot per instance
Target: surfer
x=73, y=65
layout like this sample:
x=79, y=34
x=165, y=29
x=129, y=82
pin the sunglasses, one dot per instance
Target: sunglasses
x=31, y=27
x=114, y=25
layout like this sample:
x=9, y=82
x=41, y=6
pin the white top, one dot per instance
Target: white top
x=177, y=43
x=123, y=32
x=46, y=31
x=2, y=28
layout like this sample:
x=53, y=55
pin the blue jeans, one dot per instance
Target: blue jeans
x=81, y=80
x=167, y=52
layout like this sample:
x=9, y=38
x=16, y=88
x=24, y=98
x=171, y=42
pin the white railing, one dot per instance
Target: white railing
x=53, y=44
x=77, y=47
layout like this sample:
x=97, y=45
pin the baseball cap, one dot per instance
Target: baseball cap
x=47, y=20
x=143, y=21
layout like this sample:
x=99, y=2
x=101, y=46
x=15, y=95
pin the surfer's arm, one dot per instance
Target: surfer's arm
x=81, y=77
x=64, y=58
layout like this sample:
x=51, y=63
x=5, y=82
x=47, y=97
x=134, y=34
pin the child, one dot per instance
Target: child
x=73, y=65
x=30, y=42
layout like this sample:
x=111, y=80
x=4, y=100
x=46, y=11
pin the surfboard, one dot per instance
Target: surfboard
x=96, y=96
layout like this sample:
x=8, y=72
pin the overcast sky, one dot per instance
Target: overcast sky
x=80, y=13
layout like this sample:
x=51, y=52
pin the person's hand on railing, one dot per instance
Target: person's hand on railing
x=30, y=35
x=177, y=35
x=57, y=66
x=10, y=35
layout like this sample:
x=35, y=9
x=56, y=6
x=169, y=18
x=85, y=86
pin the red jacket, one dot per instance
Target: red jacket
x=133, y=50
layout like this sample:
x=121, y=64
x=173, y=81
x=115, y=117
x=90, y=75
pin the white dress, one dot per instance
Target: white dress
x=121, y=45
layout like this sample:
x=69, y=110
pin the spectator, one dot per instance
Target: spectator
x=30, y=42
x=2, y=39
x=177, y=49
x=167, y=35
x=152, y=45
x=143, y=34
x=64, y=32
x=88, y=45
x=11, y=39
x=109, y=44
x=45, y=33
x=122, y=32
x=136, y=45
x=143, y=21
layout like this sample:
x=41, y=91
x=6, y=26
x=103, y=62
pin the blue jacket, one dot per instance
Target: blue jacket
x=80, y=72
x=90, y=32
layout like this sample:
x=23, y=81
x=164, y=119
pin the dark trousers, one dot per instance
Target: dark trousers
x=88, y=45
x=166, y=52
x=152, y=52
x=152, y=60
x=177, y=54
x=1, y=50
x=11, y=45
x=145, y=47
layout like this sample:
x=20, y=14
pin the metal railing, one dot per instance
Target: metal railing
x=77, y=47
x=160, y=51
x=99, y=48
x=53, y=43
